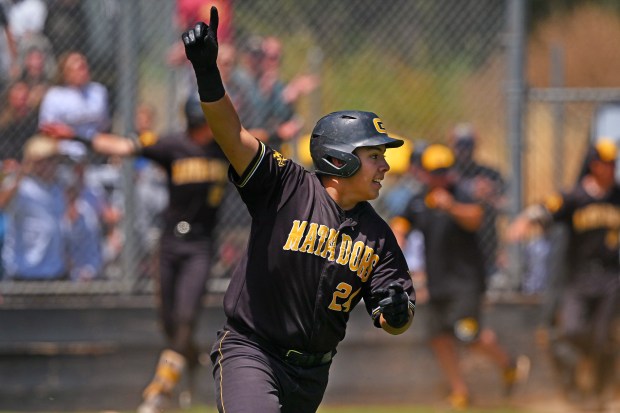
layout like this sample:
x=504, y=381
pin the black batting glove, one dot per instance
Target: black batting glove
x=394, y=304
x=201, y=50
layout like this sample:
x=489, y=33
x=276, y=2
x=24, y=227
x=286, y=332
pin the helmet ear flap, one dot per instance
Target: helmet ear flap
x=350, y=163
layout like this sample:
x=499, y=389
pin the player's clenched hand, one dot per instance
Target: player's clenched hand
x=201, y=43
x=201, y=50
x=394, y=305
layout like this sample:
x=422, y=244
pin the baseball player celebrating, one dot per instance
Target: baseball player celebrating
x=316, y=248
x=589, y=299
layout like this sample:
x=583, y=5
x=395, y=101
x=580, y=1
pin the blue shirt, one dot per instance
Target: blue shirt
x=34, y=245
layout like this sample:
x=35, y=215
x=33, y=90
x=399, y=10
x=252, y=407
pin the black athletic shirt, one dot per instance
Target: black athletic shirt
x=594, y=228
x=197, y=176
x=454, y=259
x=308, y=261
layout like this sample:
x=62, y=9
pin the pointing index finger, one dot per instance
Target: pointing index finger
x=214, y=20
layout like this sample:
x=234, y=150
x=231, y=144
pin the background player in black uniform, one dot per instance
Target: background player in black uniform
x=316, y=248
x=449, y=219
x=588, y=305
x=197, y=175
x=485, y=184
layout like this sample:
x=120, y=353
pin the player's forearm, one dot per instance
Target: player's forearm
x=238, y=144
x=468, y=216
x=114, y=145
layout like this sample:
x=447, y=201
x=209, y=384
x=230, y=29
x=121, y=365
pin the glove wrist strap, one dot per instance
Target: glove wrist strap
x=210, y=85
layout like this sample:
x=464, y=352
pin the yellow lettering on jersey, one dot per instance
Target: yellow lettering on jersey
x=356, y=255
x=322, y=233
x=346, y=306
x=342, y=292
x=197, y=170
x=215, y=195
x=308, y=245
x=294, y=237
x=611, y=239
x=322, y=241
x=596, y=216
x=332, y=241
x=367, y=263
x=345, y=250
x=279, y=158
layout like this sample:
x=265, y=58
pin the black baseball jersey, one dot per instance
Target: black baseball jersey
x=197, y=176
x=454, y=259
x=308, y=261
x=594, y=227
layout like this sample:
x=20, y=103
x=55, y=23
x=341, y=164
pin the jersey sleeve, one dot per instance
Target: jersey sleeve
x=559, y=206
x=269, y=177
x=159, y=151
x=392, y=267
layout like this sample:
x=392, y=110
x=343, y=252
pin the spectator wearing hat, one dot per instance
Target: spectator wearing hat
x=33, y=203
x=583, y=333
x=449, y=217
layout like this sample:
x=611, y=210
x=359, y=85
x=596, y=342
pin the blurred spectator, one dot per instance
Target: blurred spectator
x=34, y=205
x=85, y=208
x=82, y=104
x=26, y=18
x=280, y=119
x=35, y=74
x=485, y=185
x=151, y=190
x=8, y=51
x=66, y=26
x=196, y=178
x=449, y=219
x=76, y=100
x=190, y=12
x=250, y=57
x=18, y=120
x=242, y=89
x=26, y=21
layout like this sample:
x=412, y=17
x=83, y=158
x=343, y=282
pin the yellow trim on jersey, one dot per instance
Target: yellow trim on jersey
x=254, y=167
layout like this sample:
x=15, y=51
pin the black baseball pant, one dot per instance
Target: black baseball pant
x=249, y=378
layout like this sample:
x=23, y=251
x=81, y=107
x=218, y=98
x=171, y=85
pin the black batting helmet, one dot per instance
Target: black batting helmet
x=338, y=134
x=193, y=112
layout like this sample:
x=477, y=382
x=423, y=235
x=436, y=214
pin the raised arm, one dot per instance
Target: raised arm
x=201, y=49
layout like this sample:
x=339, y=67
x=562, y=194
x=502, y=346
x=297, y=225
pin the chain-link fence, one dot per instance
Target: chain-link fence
x=423, y=66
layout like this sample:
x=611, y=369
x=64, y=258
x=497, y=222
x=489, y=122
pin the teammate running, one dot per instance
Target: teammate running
x=196, y=170
x=448, y=217
x=316, y=248
x=589, y=302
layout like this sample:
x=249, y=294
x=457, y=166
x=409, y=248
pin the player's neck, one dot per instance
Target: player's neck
x=333, y=186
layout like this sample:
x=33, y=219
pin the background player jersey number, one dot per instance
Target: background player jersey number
x=342, y=298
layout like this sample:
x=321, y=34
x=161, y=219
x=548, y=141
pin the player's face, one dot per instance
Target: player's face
x=365, y=184
x=605, y=172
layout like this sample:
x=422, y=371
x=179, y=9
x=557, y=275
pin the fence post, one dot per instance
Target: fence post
x=515, y=94
x=126, y=104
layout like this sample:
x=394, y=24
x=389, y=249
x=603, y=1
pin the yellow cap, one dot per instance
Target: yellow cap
x=606, y=149
x=399, y=159
x=437, y=157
